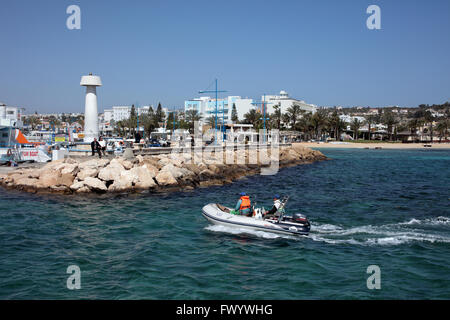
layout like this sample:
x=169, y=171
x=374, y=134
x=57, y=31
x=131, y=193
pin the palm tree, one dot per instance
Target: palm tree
x=318, y=120
x=234, y=114
x=428, y=117
x=371, y=119
x=211, y=121
x=305, y=125
x=355, y=125
x=253, y=117
x=33, y=121
x=149, y=123
x=294, y=113
x=442, y=129
x=276, y=117
x=390, y=121
x=192, y=116
x=336, y=124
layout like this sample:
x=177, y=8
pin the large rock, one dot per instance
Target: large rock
x=70, y=168
x=165, y=178
x=65, y=179
x=53, y=164
x=111, y=171
x=87, y=172
x=125, y=163
x=31, y=173
x=93, y=164
x=95, y=184
x=48, y=178
x=176, y=172
x=151, y=162
x=27, y=182
x=145, y=177
x=70, y=160
x=124, y=181
x=77, y=185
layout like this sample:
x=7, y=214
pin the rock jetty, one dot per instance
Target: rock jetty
x=154, y=173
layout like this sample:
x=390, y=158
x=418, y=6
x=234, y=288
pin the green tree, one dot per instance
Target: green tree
x=192, y=115
x=234, y=114
x=253, y=117
x=389, y=119
x=276, y=117
x=318, y=121
x=442, y=129
x=371, y=119
x=293, y=113
x=355, y=125
x=336, y=125
x=429, y=118
x=148, y=121
x=211, y=121
x=159, y=114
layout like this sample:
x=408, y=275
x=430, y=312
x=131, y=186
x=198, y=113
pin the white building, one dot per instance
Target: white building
x=285, y=102
x=206, y=107
x=119, y=113
x=10, y=116
x=108, y=115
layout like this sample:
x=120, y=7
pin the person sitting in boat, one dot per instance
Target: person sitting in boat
x=243, y=206
x=275, y=209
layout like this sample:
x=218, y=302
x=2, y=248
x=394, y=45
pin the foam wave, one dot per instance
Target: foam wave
x=431, y=221
x=389, y=234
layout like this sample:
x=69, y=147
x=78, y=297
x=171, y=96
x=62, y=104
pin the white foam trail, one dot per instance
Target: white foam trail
x=389, y=234
x=432, y=221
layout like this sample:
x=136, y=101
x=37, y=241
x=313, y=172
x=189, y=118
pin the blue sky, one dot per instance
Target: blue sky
x=165, y=51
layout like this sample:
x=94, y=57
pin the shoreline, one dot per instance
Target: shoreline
x=161, y=173
x=382, y=145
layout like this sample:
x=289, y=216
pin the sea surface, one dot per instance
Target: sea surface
x=389, y=208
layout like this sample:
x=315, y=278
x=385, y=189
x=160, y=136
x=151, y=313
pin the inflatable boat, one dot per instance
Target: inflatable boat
x=297, y=224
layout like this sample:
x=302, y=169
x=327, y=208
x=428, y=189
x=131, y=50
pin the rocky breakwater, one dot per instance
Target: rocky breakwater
x=158, y=172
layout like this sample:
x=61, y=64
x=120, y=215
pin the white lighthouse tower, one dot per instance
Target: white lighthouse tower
x=90, y=109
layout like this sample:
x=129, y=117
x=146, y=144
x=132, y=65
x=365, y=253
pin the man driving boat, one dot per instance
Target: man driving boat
x=274, y=211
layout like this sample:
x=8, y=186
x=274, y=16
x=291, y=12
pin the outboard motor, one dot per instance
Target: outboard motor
x=300, y=218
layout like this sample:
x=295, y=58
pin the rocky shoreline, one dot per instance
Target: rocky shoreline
x=154, y=173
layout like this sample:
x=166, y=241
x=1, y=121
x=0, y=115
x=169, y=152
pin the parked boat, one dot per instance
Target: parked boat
x=14, y=147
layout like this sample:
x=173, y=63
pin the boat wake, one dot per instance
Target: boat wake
x=432, y=230
x=415, y=230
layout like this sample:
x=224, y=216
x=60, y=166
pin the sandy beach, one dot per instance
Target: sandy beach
x=383, y=145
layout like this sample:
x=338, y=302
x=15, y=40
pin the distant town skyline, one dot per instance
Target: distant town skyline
x=166, y=51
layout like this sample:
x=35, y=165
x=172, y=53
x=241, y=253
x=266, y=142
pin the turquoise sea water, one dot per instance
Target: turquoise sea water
x=367, y=207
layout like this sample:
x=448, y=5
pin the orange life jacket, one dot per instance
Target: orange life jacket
x=245, y=204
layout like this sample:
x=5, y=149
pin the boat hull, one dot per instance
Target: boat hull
x=219, y=217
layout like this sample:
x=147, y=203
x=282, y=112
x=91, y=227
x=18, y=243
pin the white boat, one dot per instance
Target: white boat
x=296, y=224
x=15, y=147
